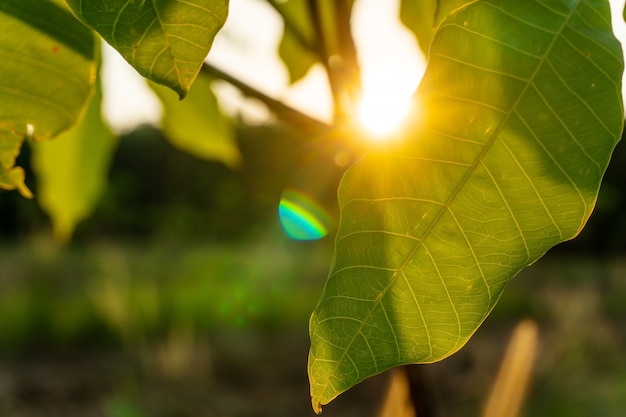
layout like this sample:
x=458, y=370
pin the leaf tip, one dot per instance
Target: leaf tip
x=317, y=406
x=13, y=179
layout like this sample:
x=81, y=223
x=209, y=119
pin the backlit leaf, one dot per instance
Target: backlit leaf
x=164, y=40
x=297, y=58
x=72, y=170
x=522, y=110
x=47, y=73
x=196, y=125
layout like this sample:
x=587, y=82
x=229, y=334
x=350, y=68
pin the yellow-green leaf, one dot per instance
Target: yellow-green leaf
x=71, y=170
x=196, y=125
x=164, y=40
x=522, y=110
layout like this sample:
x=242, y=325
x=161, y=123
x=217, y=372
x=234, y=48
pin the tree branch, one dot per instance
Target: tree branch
x=283, y=111
x=322, y=45
x=351, y=72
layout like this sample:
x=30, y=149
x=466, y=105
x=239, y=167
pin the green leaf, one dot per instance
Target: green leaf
x=522, y=109
x=298, y=57
x=164, y=40
x=196, y=125
x=72, y=170
x=422, y=17
x=46, y=77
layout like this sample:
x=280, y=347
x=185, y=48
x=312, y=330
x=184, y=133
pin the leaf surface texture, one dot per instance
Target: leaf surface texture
x=164, y=40
x=47, y=74
x=522, y=109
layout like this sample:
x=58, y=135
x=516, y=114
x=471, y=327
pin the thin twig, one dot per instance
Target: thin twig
x=322, y=45
x=283, y=111
x=347, y=50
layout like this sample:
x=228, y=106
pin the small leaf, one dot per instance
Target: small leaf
x=164, y=40
x=196, y=125
x=298, y=58
x=522, y=110
x=72, y=170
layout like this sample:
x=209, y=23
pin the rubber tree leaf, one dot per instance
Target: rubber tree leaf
x=297, y=51
x=196, y=125
x=46, y=77
x=522, y=110
x=164, y=40
x=72, y=170
x=422, y=17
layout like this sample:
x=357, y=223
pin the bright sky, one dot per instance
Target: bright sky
x=391, y=65
x=247, y=50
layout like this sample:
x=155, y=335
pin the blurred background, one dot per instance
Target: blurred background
x=182, y=295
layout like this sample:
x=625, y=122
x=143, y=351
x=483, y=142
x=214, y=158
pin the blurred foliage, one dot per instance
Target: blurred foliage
x=68, y=190
x=157, y=190
x=112, y=293
x=197, y=125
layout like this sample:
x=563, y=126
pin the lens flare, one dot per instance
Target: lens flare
x=301, y=218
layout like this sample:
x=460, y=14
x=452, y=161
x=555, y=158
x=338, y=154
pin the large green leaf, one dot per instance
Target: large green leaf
x=72, y=170
x=164, y=40
x=46, y=76
x=196, y=125
x=522, y=109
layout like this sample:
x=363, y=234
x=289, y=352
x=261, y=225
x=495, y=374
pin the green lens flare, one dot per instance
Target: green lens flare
x=301, y=218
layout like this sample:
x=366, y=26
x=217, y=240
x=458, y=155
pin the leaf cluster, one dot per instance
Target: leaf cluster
x=510, y=133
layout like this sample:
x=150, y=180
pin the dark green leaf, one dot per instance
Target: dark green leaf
x=164, y=40
x=46, y=76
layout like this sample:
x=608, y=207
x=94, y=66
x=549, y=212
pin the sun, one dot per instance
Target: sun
x=384, y=105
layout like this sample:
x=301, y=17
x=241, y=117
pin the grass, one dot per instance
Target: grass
x=209, y=329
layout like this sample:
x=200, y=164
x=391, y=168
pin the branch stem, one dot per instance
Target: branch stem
x=280, y=109
x=347, y=50
x=322, y=45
